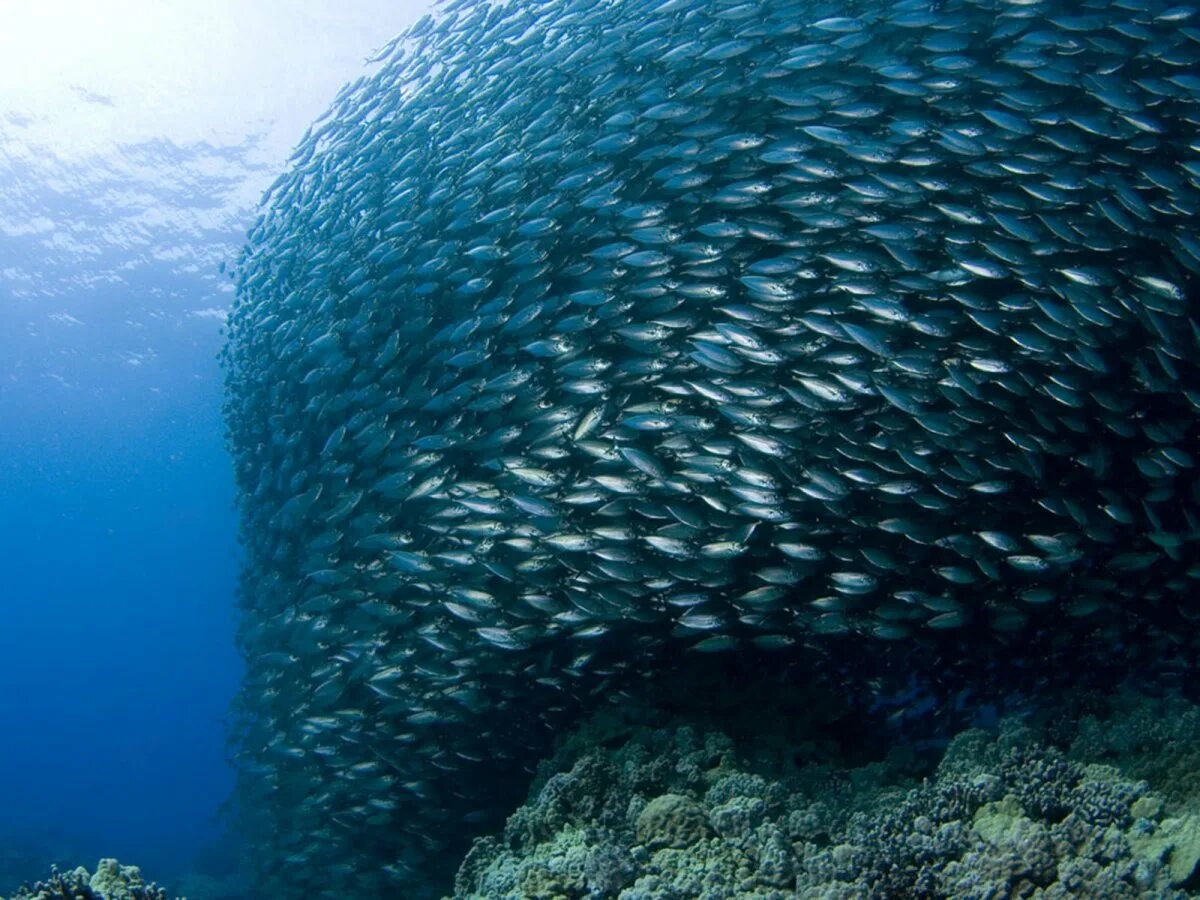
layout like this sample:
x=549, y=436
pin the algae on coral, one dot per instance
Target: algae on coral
x=111, y=881
x=1030, y=809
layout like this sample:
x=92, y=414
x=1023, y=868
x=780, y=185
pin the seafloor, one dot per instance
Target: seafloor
x=1096, y=795
x=1099, y=797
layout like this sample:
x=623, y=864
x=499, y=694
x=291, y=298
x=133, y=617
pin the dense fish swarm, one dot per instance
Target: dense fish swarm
x=582, y=333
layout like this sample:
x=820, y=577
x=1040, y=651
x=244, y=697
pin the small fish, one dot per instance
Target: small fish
x=580, y=338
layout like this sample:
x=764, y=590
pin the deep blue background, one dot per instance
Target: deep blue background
x=118, y=549
x=117, y=536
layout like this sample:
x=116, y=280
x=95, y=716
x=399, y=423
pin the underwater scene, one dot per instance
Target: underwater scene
x=633, y=449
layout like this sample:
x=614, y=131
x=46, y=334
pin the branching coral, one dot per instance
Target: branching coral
x=111, y=881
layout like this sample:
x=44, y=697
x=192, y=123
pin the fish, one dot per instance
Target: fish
x=581, y=336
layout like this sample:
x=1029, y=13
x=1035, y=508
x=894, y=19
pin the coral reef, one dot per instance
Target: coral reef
x=1099, y=803
x=111, y=881
x=22, y=858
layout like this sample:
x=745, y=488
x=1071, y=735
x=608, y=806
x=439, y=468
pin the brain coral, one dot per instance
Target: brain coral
x=671, y=820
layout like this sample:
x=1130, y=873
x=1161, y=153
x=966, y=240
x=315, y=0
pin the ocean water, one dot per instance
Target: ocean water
x=134, y=142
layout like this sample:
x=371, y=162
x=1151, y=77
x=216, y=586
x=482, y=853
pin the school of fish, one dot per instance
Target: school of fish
x=580, y=333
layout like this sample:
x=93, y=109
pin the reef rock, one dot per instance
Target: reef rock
x=1002, y=813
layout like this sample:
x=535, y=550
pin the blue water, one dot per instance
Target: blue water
x=118, y=536
x=117, y=656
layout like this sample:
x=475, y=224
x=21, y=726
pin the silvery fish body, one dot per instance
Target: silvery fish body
x=580, y=334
